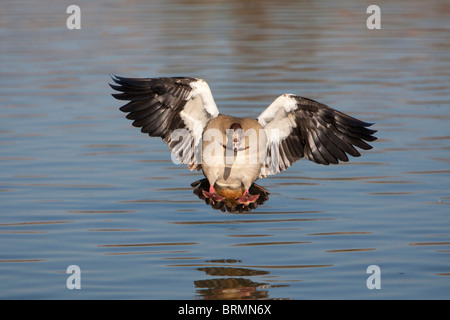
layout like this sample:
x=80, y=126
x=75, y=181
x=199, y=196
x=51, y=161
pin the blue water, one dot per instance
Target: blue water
x=80, y=186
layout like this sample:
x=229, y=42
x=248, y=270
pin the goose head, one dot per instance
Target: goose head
x=235, y=134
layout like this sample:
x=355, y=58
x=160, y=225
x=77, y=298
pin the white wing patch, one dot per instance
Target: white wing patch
x=195, y=119
x=201, y=88
x=285, y=101
x=194, y=116
x=277, y=119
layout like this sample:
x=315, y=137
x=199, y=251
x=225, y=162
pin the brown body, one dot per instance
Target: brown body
x=230, y=172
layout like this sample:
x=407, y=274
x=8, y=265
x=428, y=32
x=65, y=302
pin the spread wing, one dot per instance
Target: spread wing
x=298, y=127
x=175, y=109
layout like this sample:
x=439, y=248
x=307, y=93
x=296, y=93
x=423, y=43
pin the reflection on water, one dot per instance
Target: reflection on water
x=230, y=288
x=79, y=186
x=230, y=282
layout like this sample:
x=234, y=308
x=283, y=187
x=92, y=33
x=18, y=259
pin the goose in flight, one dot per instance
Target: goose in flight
x=234, y=152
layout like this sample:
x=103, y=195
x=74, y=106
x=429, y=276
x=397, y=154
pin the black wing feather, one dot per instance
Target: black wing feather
x=155, y=105
x=319, y=133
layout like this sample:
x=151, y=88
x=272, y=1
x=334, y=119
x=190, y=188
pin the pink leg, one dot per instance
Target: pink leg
x=212, y=194
x=247, y=198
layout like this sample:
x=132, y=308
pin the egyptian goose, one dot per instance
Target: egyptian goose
x=234, y=152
